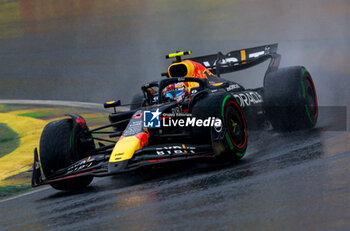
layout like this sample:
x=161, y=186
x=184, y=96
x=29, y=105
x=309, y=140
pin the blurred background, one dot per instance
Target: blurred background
x=93, y=50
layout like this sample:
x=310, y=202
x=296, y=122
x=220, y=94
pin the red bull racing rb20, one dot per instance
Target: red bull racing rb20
x=191, y=113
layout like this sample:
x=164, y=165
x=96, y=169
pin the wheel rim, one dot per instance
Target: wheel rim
x=235, y=125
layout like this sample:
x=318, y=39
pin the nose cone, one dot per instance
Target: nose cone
x=125, y=148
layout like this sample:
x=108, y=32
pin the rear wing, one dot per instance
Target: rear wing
x=240, y=59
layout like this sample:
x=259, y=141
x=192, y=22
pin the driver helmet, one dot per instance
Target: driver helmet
x=175, y=92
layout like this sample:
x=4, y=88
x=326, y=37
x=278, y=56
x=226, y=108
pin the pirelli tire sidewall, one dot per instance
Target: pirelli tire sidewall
x=56, y=153
x=290, y=99
x=225, y=140
x=55, y=146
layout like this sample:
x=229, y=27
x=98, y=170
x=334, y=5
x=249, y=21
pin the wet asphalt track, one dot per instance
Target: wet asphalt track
x=286, y=182
x=67, y=51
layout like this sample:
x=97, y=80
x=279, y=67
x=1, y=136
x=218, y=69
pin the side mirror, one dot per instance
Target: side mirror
x=112, y=104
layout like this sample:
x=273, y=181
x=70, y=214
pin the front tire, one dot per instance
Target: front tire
x=229, y=141
x=56, y=153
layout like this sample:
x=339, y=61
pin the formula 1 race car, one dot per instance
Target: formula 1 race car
x=193, y=113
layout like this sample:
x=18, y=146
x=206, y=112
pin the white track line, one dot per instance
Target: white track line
x=58, y=103
x=24, y=194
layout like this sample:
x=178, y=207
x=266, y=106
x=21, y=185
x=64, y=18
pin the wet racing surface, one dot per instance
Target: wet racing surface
x=93, y=51
x=299, y=181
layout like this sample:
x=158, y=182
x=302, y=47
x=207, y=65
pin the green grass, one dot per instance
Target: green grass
x=9, y=140
x=37, y=114
x=12, y=190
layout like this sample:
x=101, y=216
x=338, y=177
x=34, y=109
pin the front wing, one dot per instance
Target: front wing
x=99, y=165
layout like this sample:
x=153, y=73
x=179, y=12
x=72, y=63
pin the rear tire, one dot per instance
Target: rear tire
x=229, y=141
x=290, y=99
x=56, y=153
